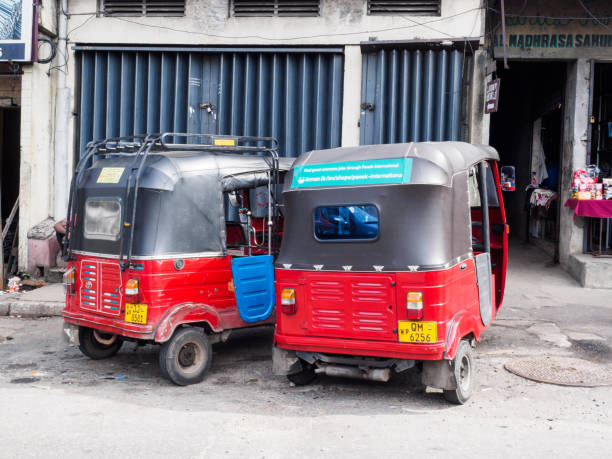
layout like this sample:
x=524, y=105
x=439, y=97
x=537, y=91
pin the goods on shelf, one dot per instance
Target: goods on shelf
x=585, y=185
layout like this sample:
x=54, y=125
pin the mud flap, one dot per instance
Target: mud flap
x=438, y=374
x=483, y=276
x=71, y=334
x=285, y=362
x=254, y=284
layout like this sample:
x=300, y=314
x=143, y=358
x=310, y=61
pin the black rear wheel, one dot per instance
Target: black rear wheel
x=97, y=344
x=463, y=368
x=303, y=377
x=186, y=357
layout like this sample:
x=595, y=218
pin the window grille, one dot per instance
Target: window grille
x=144, y=8
x=406, y=7
x=246, y=8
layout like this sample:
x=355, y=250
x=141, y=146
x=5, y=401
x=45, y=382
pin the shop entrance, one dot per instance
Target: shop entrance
x=527, y=132
x=10, y=114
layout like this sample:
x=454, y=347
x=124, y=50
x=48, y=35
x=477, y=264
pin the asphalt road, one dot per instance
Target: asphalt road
x=54, y=402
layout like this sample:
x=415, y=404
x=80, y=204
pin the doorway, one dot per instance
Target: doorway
x=10, y=122
x=527, y=132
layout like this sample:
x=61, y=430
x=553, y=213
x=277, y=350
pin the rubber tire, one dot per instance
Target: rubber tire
x=162, y=367
x=92, y=348
x=465, y=381
x=303, y=377
x=169, y=356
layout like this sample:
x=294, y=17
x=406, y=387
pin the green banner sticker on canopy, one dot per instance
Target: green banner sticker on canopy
x=352, y=173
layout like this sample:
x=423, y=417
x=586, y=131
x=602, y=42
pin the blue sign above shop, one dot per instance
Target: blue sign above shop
x=352, y=173
x=13, y=51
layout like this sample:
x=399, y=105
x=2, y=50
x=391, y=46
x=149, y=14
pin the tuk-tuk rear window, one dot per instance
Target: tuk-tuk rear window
x=102, y=219
x=348, y=222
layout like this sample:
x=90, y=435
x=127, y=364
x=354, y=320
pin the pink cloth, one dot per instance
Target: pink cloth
x=590, y=208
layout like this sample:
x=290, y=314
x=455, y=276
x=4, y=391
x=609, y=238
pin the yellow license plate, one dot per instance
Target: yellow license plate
x=136, y=313
x=417, y=332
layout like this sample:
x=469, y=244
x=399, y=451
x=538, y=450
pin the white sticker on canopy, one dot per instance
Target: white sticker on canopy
x=110, y=174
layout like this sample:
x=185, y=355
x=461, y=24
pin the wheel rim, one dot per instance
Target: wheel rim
x=190, y=357
x=107, y=339
x=465, y=373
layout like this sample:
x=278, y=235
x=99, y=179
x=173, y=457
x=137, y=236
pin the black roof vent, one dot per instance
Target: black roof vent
x=405, y=7
x=246, y=8
x=144, y=8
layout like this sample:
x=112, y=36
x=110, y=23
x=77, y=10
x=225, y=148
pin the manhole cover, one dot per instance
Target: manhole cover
x=565, y=371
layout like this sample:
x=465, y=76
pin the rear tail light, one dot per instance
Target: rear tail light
x=288, y=305
x=131, y=291
x=70, y=281
x=414, y=305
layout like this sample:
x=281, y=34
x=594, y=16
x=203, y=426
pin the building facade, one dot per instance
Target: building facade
x=314, y=74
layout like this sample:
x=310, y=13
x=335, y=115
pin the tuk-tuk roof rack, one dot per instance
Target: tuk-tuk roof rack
x=220, y=143
x=140, y=146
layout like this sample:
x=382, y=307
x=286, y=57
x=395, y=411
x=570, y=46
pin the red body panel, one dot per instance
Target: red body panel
x=357, y=313
x=202, y=291
x=499, y=241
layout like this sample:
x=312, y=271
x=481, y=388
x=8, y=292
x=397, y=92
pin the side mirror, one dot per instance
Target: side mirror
x=508, y=178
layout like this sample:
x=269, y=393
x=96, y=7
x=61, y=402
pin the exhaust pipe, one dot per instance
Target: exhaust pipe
x=370, y=374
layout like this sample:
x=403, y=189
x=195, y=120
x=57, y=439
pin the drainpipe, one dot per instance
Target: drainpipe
x=503, y=19
x=62, y=117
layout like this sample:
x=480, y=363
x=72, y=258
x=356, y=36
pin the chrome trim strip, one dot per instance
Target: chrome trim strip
x=153, y=257
x=386, y=269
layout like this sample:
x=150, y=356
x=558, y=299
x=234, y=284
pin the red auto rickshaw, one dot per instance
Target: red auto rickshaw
x=393, y=256
x=172, y=244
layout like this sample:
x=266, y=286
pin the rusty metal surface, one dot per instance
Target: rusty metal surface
x=564, y=371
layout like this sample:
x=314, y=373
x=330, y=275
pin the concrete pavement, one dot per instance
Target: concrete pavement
x=53, y=400
x=41, y=302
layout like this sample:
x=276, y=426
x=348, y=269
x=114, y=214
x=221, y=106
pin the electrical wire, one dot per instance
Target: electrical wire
x=592, y=15
x=328, y=35
x=79, y=26
x=424, y=24
x=64, y=67
x=540, y=16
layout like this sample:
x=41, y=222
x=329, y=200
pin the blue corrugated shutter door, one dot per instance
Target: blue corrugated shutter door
x=411, y=95
x=294, y=96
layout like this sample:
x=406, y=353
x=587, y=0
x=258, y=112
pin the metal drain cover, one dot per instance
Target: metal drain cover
x=565, y=371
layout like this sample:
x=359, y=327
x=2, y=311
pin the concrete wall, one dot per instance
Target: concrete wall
x=10, y=86
x=36, y=181
x=208, y=22
x=478, y=121
x=575, y=127
x=351, y=111
x=342, y=22
x=36, y=96
x=47, y=16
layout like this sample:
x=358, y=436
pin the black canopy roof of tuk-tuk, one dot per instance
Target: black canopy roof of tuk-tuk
x=424, y=221
x=435, y=162
x=164, y=170
x=180, y=204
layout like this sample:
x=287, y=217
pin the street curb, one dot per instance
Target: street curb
x=33, y=309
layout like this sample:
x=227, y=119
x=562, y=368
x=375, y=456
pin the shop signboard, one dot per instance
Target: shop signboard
x=492, y=96
x=16, y=18
x=563, y=29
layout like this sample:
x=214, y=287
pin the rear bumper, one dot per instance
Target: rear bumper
x=112, y=325
x=362, y=347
